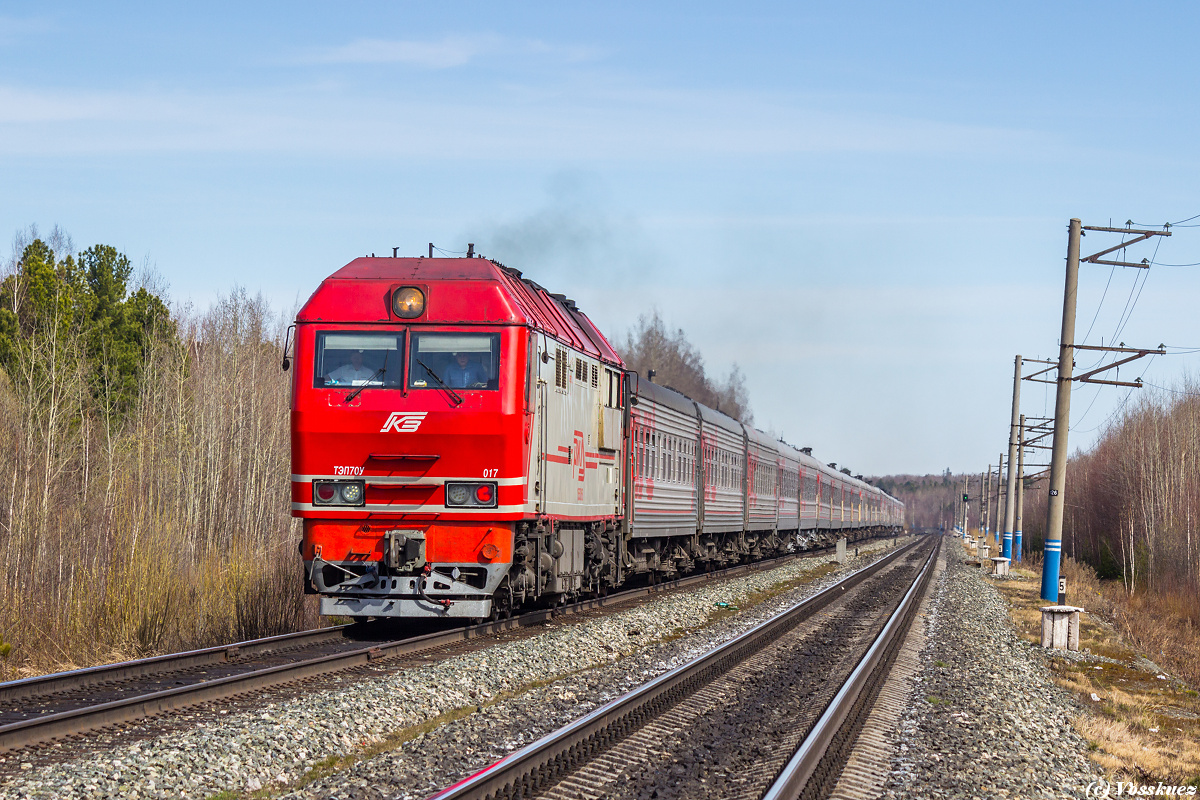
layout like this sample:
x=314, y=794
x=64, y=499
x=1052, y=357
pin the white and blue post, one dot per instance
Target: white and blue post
x=1010, y=505
x=1062, y=420
x=999, y=495
x=1020, y=490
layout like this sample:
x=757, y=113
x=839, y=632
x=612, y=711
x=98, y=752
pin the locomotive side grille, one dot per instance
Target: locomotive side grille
x=560, y=368
x=595, y=377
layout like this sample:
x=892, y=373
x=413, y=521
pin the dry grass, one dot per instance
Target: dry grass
x=1142, y=728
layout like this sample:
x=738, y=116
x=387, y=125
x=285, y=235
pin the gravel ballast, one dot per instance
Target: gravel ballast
x=522, y=690
x=986, y=719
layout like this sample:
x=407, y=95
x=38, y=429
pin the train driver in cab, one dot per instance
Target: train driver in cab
x=463, y=373
x=353, y=373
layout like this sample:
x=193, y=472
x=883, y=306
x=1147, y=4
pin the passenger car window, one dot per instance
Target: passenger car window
x=359, y=359
x=457, y=360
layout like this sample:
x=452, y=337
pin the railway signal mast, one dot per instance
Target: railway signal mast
x=1066, y=365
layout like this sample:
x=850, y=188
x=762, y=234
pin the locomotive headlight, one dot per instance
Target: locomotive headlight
x=408, y=302
x=352, y=493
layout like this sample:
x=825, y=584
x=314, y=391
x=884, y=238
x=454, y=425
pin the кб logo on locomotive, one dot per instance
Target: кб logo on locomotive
x=403, y=421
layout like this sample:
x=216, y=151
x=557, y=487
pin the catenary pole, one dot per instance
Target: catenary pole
x=1052, y=552
x=999, y=497
x=1020, y=488
x=1010, y=507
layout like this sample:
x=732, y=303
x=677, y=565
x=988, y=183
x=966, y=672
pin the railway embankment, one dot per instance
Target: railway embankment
x=992, y=714
x=985, y=718
x=407, y=732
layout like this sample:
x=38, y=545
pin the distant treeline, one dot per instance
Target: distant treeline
x=929, y=500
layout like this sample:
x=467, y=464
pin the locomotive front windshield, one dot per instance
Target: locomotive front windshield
x=455, y=360
x=359, y=359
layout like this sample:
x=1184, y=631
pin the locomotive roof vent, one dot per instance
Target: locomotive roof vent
x=806, y=450
x=832, y=465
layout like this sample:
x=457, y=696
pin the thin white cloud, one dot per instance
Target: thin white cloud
x=444, y=53
x=574, y=121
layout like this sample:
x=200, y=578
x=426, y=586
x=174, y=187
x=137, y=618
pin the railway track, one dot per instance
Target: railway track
x=772, y=713
x=52, y=707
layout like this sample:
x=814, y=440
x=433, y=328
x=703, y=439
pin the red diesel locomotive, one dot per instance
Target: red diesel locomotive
x=465, y=442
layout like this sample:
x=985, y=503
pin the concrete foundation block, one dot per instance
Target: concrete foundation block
x=839, y=554
x=1060, y=627
x=1000, y=566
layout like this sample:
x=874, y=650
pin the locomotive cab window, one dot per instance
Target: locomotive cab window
x=359, y=359
x=456, y=360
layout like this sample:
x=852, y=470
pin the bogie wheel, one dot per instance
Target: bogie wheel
x=501, y=605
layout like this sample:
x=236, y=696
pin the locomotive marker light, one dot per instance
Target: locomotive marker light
x=408, y=302
x=337, y=493
x=479, y=495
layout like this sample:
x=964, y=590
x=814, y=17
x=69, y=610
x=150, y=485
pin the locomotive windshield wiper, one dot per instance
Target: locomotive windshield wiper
x=378, y=374
x=457, y=400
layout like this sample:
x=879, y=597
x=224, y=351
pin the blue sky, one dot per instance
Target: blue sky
x=863, y=205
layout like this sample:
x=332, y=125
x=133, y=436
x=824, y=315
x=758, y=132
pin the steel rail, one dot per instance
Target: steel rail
x=38, y=730
x=822, y=753
x=543, y=762
x=56, y=682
